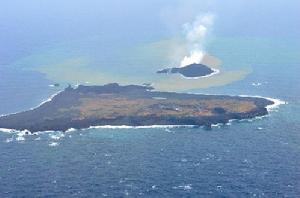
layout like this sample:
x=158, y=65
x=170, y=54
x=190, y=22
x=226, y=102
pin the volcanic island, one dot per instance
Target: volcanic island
x=132, y=105
x=190, y=71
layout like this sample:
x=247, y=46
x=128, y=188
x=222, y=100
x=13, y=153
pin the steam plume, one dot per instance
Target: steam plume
x=196, y=34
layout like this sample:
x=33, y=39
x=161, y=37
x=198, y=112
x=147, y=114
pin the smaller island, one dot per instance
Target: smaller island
x=54, y=85
x=190, y=71
x=132, y=105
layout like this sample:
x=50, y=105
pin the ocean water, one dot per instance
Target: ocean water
x=251, y=158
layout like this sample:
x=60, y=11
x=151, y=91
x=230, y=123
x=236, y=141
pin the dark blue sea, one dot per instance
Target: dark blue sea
x=87, y=44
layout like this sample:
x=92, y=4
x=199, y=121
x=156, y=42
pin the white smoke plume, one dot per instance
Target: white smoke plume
x=196, y=34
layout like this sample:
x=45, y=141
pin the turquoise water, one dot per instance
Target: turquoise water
x=257, y=158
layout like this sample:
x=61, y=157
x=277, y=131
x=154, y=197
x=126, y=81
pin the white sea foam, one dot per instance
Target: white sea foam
x=53, y=144
x=77, y=85
x=270, y=108
x=20, y=138
x=70, y=130
x=7, y=130
x=21, y=135
x=256, y=84
x=184, y=187
x=141, y=127
x=275, y=105
x=218, y=125
x=45, y=101
x=26, y=131
x=18, y=135
x=183, y=160
x=168, y=130
x=19, y=132
x=9, y=140
x=56, y=136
